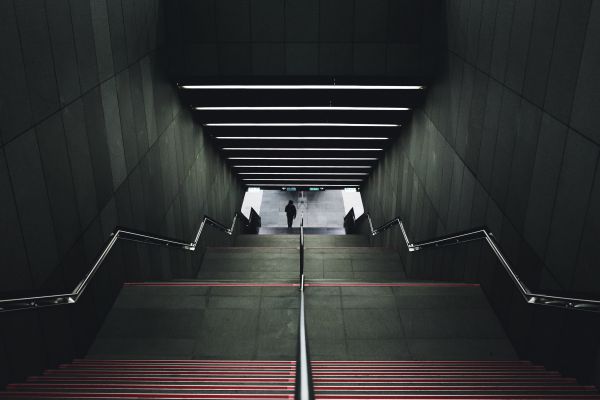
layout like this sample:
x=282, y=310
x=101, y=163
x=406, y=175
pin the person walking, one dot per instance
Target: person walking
x=290, y=211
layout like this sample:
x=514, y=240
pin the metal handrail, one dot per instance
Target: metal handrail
x=571, y=303
x=24, y=303
x=304, y=387
x=302, y=249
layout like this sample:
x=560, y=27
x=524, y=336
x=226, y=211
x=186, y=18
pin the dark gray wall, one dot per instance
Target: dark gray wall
x=92, y=136
x=509, y=138
x=302, y=37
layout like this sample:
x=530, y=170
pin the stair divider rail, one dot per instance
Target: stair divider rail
x=570, y=303
x=119, y=233
x=304, y=386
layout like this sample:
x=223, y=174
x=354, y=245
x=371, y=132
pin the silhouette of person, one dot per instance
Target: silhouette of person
x=290, y=211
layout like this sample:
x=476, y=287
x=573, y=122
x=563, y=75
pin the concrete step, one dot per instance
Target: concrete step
x=273, y=379
x=347, y=263
x=309, y=240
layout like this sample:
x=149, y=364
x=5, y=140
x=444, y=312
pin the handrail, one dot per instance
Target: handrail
x=24, y=303
x=304, y=388
x=302, y=249
x=571, y=303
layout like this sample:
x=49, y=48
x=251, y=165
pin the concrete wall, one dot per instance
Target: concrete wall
x=252, y=200
x=353, y=200
x=509, y=138
x=92, y=136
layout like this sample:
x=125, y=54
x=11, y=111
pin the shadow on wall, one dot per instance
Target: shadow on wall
x=506, y=140
x=106, y=143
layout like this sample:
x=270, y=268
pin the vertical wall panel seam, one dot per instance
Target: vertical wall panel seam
x=585, y=36
x=586, y=218
x=543, y=102
x=12, y=191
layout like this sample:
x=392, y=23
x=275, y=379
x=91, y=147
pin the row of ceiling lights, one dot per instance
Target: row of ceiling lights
x=302, y=87
x=302, y=124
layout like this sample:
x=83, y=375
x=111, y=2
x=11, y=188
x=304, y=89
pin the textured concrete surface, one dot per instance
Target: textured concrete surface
x=403, y=323
x=245, y=323
x=261, y=264
x=294, y=240
x=353, y=264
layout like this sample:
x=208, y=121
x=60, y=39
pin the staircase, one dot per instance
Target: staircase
x=228, y=379
x=162, y=379
x=232, y=333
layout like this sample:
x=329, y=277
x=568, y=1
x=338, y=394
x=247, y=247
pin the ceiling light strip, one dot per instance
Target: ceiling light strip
x=300, y=124
x=298, y=138
x=305, y=180
x=302, y=108
x=298, y=149
x=302, y=87
x=297, y=184
x=307, y=158
x=303, y=166
x=304, y=173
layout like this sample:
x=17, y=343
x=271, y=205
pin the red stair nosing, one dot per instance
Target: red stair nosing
x=351, y=362
x=175, y=367
x=364, y=284
x=66, y=372
x=465, y=388
x=314, y=284
x=120, y=395
x=456, y=397
x=318, y=388
x=215, y=284
x=131, y=372
x=142, y=378
x=424, y=362
x=430, y=367
x=150, y=387
x=315, y=371
x=160, y=361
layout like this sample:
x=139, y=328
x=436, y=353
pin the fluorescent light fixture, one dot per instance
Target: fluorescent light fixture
x=303, y=173
x=299, y=149
x=304, y=180
x=302, y=108
x=292, y=124
x=297, y=184
x=299, y=138
x=302, y=166
x=303, y=87
x=307, y=158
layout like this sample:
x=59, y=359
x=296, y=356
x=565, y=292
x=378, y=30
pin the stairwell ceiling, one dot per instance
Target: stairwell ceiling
x=324, y=135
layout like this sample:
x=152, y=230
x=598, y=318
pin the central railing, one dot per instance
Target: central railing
x=531, y=297
x=304, y=387
x=119, y=233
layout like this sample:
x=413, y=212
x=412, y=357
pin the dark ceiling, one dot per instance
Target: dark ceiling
x=302, y=42
x=302, y=37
